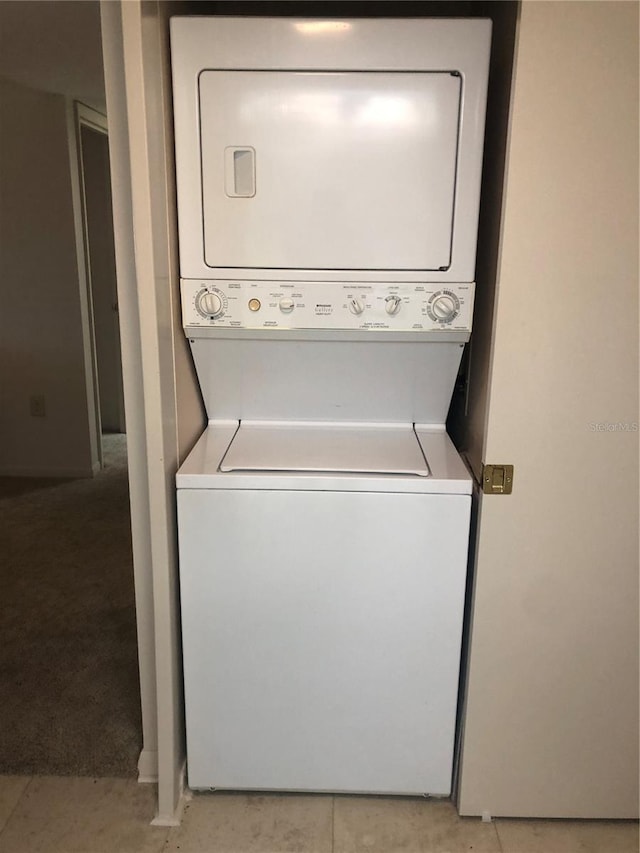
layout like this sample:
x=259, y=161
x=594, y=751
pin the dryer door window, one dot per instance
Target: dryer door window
x=315, y=170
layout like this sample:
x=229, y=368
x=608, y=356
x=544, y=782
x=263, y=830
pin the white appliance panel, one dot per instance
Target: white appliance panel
x=366, y=307
x=329, y=170
x=321, y=637
x=326, y=380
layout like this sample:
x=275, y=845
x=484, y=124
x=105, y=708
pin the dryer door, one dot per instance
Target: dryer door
x=315, y=170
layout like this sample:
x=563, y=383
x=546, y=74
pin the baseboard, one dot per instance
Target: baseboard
x=183, y=798
x=63, y=473
x=148, y=766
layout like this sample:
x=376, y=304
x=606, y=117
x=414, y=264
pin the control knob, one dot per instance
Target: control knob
x=286, y=305
x=444, y=307
x=356, y=305
x=209, y=303
x=392, y=304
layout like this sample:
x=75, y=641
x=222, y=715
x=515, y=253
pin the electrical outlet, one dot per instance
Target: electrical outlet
x=37, y=406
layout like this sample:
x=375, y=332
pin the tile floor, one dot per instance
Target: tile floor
x=68, y=815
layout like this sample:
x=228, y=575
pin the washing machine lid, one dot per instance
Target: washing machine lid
x=358, y=448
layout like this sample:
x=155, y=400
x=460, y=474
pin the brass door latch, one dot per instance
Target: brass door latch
x=497, y=479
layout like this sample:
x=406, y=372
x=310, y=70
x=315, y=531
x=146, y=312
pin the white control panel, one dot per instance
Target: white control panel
x=229, y=304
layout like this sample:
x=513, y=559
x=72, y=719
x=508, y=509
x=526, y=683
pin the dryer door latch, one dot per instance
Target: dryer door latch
x=497, y=479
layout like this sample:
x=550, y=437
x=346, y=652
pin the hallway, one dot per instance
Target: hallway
x=68, y=651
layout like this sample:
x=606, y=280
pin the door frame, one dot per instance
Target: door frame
x=88, y=119
x=85, y=116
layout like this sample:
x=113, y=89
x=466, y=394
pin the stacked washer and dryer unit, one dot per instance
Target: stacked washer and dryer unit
x=328, y=177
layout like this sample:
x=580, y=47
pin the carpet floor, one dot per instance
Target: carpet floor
x=69, y=689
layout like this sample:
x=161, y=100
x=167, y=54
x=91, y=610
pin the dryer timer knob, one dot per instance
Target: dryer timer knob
x=209, y=304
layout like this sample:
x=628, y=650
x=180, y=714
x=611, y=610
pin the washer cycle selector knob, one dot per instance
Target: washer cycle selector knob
x=210, y=303
x=443, y=307
x=286, y=305
x=392, y=304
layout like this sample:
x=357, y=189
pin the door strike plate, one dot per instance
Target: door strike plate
x=497, y=479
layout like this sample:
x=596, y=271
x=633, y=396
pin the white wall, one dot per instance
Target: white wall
x=551, y=725
x=42, y=350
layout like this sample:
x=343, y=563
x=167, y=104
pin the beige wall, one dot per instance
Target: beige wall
x=42, y=349
x=112, y=48
x=171, y=414
x=551, y=723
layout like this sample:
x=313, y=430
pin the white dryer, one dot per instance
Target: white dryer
x=328, y=178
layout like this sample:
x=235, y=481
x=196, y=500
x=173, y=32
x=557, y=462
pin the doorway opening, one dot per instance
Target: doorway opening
x=68, y=656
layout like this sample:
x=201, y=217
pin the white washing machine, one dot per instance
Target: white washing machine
x=322, y=606
x=328, y=179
